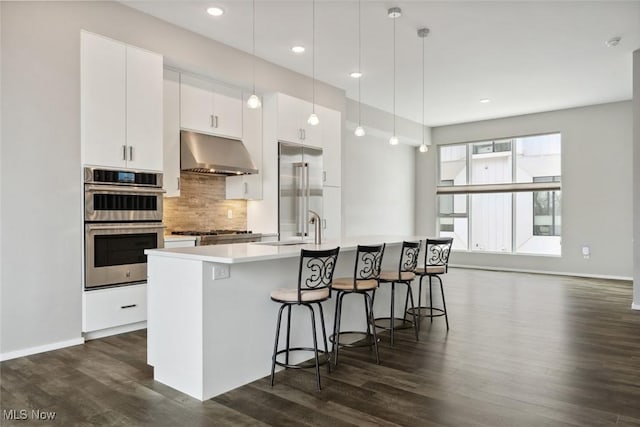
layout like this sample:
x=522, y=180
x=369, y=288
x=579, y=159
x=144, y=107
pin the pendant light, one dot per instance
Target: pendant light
x=253, y=102
x=423, y=33
x=394, y=13
x=313, y=118
x=359, y=130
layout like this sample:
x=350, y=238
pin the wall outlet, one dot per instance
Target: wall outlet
x=229, y=213
x=220, y=271
x=586, y=251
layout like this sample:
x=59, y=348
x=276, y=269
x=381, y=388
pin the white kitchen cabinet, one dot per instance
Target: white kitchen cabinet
x=331, y=143
x=103, y=100
x=171, y=133
x=144, y=109
x=292, y=121
x=210, y=108
x=113, y=307
x=121, y=104
x=249, y=187
x=332, y=213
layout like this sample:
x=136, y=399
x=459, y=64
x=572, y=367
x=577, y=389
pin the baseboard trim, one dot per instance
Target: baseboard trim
x=635, y=306
x=40, y=349
x=553, y=273
x=114, y=331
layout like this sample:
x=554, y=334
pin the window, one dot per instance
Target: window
x=502, y=195
x=546, y=209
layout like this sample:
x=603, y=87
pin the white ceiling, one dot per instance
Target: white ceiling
x=526, y=56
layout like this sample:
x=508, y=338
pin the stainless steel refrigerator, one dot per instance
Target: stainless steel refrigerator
x=300, y=190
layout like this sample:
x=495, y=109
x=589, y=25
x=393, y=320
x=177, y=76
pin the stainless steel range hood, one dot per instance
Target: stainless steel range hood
x=214, y=155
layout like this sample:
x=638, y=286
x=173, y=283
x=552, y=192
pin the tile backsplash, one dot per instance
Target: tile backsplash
x=202, y=206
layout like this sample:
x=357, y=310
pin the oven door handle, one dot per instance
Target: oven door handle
x=124, y=227
x=121, y=189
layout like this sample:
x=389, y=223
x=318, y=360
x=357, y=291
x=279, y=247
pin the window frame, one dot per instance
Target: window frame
x=551, y=186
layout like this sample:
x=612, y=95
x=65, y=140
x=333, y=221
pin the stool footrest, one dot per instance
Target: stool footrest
x=364, y=340
x=398, y=323
x=426, y=311
x=323, y=358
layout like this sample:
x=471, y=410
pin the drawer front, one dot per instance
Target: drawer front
x=107, y=308
x=179, y=243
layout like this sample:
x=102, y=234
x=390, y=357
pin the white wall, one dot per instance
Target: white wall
x=378, y=186
x=40, y=177
x=636, y=179
x=596, y=187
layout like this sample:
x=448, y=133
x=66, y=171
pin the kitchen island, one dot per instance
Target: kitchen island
x=211, y=322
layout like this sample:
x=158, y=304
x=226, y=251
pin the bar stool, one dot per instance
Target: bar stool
x=405, y=275
x=436, y=263
x=365, y=279
x=315, y=274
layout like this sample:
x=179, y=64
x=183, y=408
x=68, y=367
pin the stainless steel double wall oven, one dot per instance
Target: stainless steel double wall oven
x=122, y=218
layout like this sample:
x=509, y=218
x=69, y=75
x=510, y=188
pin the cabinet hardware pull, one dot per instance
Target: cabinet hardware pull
x=324, y=224
x=213, y=123
x=304, y=134
x=129, y=306
x=324, y=176
x=124, y=152
x=130, y=153
x=178, y=179
x=216, y=126
x=246, y=188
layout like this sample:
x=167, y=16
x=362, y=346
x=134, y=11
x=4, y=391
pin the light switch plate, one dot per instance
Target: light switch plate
x=586, y=251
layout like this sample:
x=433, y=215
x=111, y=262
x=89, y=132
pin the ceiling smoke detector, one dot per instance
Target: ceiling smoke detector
x=612, y=42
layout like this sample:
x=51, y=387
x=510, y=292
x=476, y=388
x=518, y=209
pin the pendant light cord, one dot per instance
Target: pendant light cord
x=253, y=48
x=359, y=61
x=313, y=56
x=394, y=76
x=423, y=90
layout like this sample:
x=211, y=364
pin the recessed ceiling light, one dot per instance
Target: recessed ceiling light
x=615, y=41
x=297, y=49
x=356, y=74
x=215, y=11
x=485, y=101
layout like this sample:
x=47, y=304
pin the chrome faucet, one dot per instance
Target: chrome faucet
x=317, y=222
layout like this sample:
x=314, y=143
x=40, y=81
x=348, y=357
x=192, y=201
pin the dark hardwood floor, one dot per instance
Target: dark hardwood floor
x=523, y=350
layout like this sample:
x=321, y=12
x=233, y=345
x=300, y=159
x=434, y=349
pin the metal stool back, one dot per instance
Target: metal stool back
x=315, y=275
x=436, y=262
x=405, y=275
x=366, y=273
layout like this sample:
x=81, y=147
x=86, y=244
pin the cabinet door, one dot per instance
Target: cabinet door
x=331, y=142
x=103, y=94
x=227, y=112
x=196, y=104
x=144, y=109
x=332, y=211
x=171, y=133
x=290, y=110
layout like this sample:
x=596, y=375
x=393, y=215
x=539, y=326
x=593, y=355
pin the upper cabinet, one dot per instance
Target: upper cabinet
x=292, y=115
x=121, y=104
x=171, y=113
x=249, y=187
x=330, y=127
x=210, y=108
x=292, y=121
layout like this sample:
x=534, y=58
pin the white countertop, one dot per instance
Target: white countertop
x=262, y=251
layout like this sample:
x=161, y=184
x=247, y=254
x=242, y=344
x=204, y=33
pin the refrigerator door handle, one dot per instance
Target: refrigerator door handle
x=307, y=198
x=299, y=198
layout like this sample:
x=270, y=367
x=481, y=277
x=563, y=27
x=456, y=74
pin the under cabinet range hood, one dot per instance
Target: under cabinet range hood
x=213, y=154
